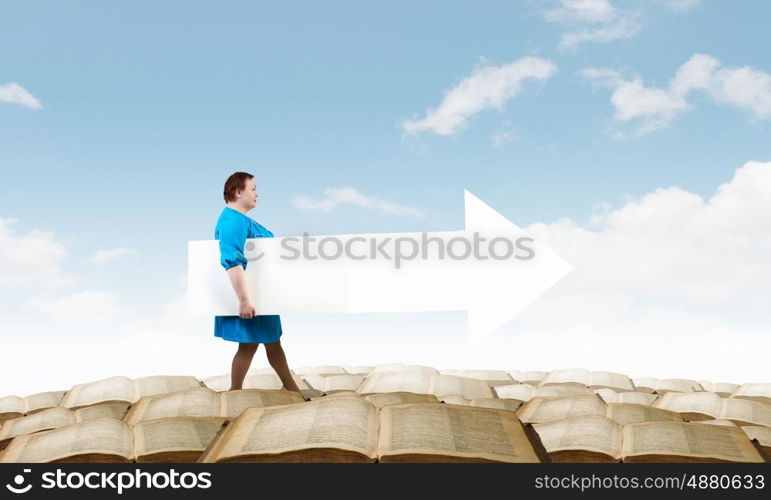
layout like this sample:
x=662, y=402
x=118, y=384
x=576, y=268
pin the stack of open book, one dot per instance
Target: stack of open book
x=392, y=413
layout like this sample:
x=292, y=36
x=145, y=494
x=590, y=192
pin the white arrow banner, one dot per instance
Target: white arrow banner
x=492, y=269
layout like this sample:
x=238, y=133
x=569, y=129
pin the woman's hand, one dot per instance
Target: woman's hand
x=246, y=309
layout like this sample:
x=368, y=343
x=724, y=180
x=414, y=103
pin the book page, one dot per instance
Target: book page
x=400, y=367
x=596, y=433
x=691, y=402
x=100, y=435
x=162, y=384
x=197, y=402
x=343, y=422
x=716, y=421
x=417, y=381
x=345, y=382
x=232, y=403
x=335, y=382
x=541, y=409
x=746, y=410
x=723, y=389
x=522, y=392
x=678, y=385
x=455, y=400
x=453, y=431
x=688, y=440
x=44, y=419
x=175, y=434
x=568, y=376
x=645, y=384
x=533, y=377
x=112, y=410
x=630, y=413
x=358, y=369
x=271, y=381
x=489, y=376
x=611, y=379
x=759, y=432
x=11, y=404
x=42, y=400
x=319, y=370
x=500, y=404
x=607, y=395
x=562, y=390
x=118, y=388
x=754, y=390
x=636, y=397
x=468, y=388
x=397, y=398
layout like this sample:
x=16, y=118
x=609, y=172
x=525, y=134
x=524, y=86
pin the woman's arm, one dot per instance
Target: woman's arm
x=233, y=233
x=237, y=277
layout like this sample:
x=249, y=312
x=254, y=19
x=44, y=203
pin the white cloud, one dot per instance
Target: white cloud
x=487, y=87
x=620, y=29
x=13, y=93
x=597, y=21
x=601, y=21
x=745, y=88
x=334, y=197
x=81, y=307
x=582, y=10
x=104, y=257
x=669, y=278
x=32, y=259
x=673, y=249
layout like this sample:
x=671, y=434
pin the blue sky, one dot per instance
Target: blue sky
x=146, y=107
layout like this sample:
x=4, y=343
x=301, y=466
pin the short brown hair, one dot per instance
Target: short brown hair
x=236, y=182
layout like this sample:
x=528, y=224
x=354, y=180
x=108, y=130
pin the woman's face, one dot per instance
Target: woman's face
x=248, y=197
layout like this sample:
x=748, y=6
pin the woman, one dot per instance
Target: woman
x=248, y=328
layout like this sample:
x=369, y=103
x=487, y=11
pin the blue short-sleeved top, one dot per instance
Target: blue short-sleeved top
x=232, y=230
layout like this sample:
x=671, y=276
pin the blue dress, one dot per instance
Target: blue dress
x=233, y=228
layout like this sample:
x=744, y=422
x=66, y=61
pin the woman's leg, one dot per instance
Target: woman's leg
x=277, y=360
x=241, y=362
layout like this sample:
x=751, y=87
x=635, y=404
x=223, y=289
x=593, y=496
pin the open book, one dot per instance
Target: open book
x=398, y=398
x=533, y=377
x=16, y=406
x=755, y=391
x=638, y=397
x=539, y=410
x=52, y=418
x=205, y=402
x=525, y=392
x=424, y=382
x=259, y=379
x=582, y=377
x=330, y=383
x=762, y=435
x=348, y=428
x=596, y=438
x=124, y=389
x=707, y=405
x=500, y=404
x=491, y=377
x=660, y=386
x=105, y=439
x=724, y=389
